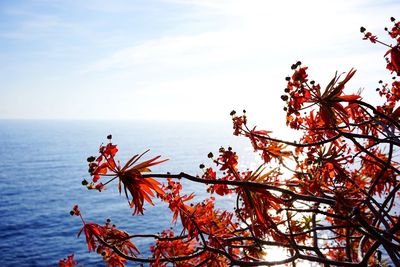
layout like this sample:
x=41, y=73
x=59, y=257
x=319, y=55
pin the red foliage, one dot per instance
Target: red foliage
x=68, y=262
x=327, y=198
x=130, y=176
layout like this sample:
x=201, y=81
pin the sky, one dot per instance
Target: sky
x=179, y=59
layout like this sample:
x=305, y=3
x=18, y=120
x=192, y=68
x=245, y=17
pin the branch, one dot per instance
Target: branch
x=329, y=201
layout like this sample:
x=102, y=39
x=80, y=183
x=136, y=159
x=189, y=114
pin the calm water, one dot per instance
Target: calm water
x=43, y=163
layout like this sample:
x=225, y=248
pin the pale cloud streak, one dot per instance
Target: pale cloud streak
x=34, y=26
x=256, y=30
x=189, y=49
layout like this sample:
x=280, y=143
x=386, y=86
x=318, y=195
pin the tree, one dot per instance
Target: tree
x=328, y=198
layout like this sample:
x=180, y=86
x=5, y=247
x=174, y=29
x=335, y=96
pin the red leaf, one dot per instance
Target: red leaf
x=91, y=230
x=394, y=64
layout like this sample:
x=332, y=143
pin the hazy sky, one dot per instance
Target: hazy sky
x=178, y=59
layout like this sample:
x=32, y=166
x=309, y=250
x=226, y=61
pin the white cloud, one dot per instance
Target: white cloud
x=260, y=31
x=32, y=26
x=191, y=49
x=214, y=56
x=242, y=63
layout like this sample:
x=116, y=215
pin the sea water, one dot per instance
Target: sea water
x=44, y=161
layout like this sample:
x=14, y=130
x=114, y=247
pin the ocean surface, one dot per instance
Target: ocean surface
x=44, y=162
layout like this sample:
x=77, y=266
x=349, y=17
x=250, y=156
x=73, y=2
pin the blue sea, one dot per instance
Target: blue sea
x=44, y=161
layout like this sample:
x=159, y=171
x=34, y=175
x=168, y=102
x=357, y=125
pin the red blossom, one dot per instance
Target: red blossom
x=300, y=75
x=75, y=211
x=228, y=160
x=68, y=262
x=369, y=36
